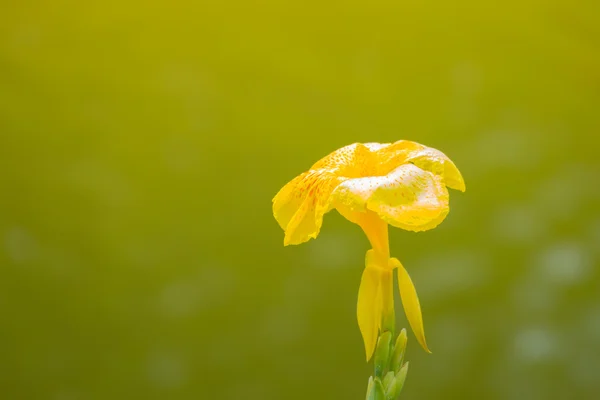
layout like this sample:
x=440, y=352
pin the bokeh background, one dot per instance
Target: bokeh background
x=141, y=144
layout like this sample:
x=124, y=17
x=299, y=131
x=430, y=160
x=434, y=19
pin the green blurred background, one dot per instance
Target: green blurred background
x=141, y=144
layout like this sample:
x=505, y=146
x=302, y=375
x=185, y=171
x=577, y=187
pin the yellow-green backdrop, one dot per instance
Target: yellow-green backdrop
x=141, y=144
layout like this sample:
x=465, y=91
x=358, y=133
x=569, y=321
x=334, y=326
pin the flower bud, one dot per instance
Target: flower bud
x=382, y=354
x=369, y=387
x=400, y=378
x=376, y=391
x=398, y=353
x=388, y=379
x=389, y=384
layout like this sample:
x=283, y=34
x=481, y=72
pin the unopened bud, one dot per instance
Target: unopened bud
x=382, y=354
x=369, y=387
x=400, y=378
x=376, y=391
x=398, y=354
x=388, y=379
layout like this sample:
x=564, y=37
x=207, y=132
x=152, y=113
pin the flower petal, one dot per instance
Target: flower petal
x=427, y=158
x=303, y=225
x=411, y=305
x=407, y=198
x=300, y=205
x=288, y=200
x=368, y=310
x=390, y=156
x=435, y=161
x=350, y=161
x=412, y=199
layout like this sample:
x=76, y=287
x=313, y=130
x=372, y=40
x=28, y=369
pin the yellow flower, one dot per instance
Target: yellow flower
x=402, y=184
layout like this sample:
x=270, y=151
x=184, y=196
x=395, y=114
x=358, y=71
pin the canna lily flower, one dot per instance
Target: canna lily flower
x=374, y=185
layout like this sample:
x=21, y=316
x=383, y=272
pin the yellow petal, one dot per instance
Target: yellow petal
x=300, y=205
x=303, y=225
x=435, y=161
x=390, y=156
x=288, y=200
x=412, y=199
x=368, y=310
x=350, y=161
x=408, y=198
x=429, y=159
x=411, y=305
